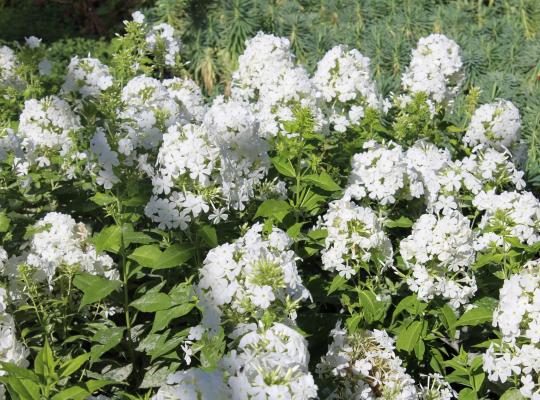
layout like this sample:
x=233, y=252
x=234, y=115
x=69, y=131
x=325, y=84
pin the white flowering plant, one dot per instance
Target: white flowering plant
x=303, y=235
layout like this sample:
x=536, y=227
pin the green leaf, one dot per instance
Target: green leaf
x=323, y=181
x=401, y=222
x=94, y=287
x=73, y=365
x=408, y=337
x=72, y=393
x=209, y=235
x=512, y=394
x=411, y=304
x=147, y=256
x=176, y=255
x=273, y=208
x=467, y=394
x=294, y=230
x=4, y=222
x=17, y=372
x=107, y=338
x=44, y=364
x=152, y=302
x=151, y=256
x=102, y=199
x=449, y=319
x=24, y=388
x=163, y=317
x=369, y=304
x=338, y=283
x=476, y=316
x=109, y=239
x=284, y=167
x=486, y=259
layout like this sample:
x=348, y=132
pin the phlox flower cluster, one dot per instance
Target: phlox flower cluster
x=382, y=174
x=47, y=127
x=517, y=356
x=244, y=159
x=148, y=111
x=208, y=168
x=268, y=77
x=162, y=41
x=435, y=68
x=495, y=124
x=57, y=242
x=508, y=214
x=440, y=252
x=187, y=161
x=343, y=81
x=385, y=173
x=87, y=77
x=8, y=69
x=355, y=239
x=149, y=108
x=11, y=350
x=363, y=365
x=257, y=274
x=266, y=364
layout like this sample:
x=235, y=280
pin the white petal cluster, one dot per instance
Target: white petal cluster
x=435, y=68
x=209, y=168
x=234, y=129
x=428, y=162
x=269, y=364
x=59, y=242
x=355, y=238
x=162, y=40
x=186, y=178
x=268, y=77
x=47, y=125
x=194, y=384
x=87, y=76
x=265, y=364
x=148, y=111
x=460, y=180
x=11, y=350
x=517, y=356
x=106, y=159
x=440, y=252
x=242, y=280
x=382, y=174
x=496, y=124
x=8, y=69
x=363, y=365
x=509, y=214
x=343, y=80
x=188, y=94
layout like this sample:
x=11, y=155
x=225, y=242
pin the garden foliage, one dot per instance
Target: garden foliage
x=301, y=235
